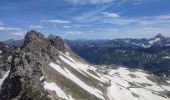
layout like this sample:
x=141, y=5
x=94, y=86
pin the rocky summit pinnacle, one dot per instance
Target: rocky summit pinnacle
x=27, y=64
x=47, y=69
x=56, y=41
x=34, y=40
x=33, y=36
x=159, y=36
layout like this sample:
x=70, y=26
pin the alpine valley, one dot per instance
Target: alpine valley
x=151, y=54
x=47, y=69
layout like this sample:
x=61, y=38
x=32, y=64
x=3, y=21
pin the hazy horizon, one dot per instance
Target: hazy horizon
x=84, y=39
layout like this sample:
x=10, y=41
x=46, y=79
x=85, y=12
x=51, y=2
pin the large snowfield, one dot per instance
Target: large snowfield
x=124, y=83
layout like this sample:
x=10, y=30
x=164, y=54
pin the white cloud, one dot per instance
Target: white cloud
x=74, y=33
x=133, y=2
x=93, y=2
x=115, y=19
x=9, y=29
x=19, y=34
x=119, y=21
x=36, y=26
x=163, y=17
x=1, y=23
x=147, y=32
x=57, y=21
x=87, y=18
x=90, y=16
x=91, y=31
x=154, y=20
x=112, y=15
x=66, y=26
x=151, y=30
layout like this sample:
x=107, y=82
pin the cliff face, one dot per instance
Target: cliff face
x=45, y=68
x=27, y=63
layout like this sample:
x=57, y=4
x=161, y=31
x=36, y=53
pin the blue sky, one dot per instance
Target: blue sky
x=85, y=19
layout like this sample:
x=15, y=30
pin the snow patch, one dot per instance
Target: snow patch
x=65, y=72
x=166, y=57
x=58, y=62
x=0, y=51
x=153, y=41
x=146, y=46
x=10, y=58
x=116, y=92
x=167, y=44
x=168, y=81
x=125, y=87
x=41, y=78
x=145, y=94
x=59, y=92
x=127, y=41
x=166, y=87
x=67, y=53
x=4, y=77
x=80, y=67
x=135, y=44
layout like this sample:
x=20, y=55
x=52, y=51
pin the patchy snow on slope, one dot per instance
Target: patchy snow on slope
x=67, y=53
x=80, y=67
x=167, y=44
x=118, y=80
x=0, y=51
x=145, y=94
x=65, y=72
x=71, y=63
x=125, y=74
x=153, y=41
x=166, y=87
x=116, y=92
x=66, y=56
x=166, y=57
x=135, y=44
x=3, y=78
x=146, y=46
x=125, y=85
x=59, y=92
x=168, y=81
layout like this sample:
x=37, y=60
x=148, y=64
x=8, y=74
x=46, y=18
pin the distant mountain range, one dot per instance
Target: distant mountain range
x=151, y=54
x=14, y=43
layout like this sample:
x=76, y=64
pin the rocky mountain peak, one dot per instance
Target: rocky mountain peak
x=28, y=64
x=37, y=46
x=159, y=35
x=57, y=42
x=34, y=35
x=36, y=41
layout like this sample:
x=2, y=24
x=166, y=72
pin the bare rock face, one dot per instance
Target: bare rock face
x=5, y=58
x=57, y=42
x=23, y=81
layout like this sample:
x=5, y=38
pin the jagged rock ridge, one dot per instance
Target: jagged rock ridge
x=45, y=68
